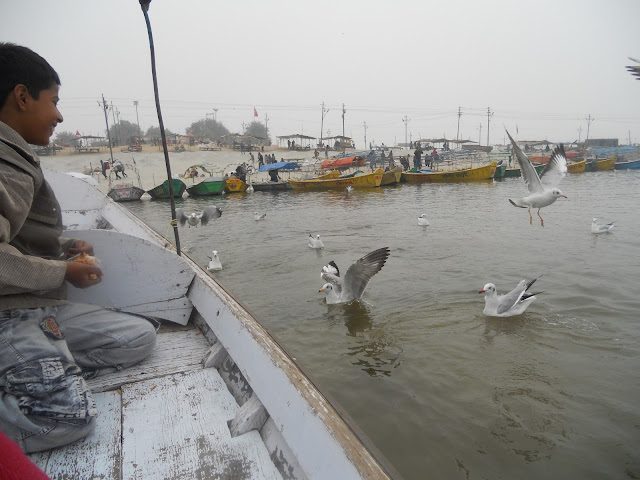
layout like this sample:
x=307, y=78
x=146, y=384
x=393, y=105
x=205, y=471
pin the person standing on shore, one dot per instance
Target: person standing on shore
x=49, y=345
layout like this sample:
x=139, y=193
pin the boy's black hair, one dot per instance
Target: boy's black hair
x=20, y=65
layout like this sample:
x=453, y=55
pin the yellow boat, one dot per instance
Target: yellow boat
x=476, y=174
x=366, y=180
x=235, y=185
x=577, y=167
x=331, y=174
x=608, y=164
x=391, y=177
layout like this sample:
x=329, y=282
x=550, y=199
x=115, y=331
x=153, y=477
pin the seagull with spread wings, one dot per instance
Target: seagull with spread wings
x=193, y=219
x=543, y=189
x=351, y=287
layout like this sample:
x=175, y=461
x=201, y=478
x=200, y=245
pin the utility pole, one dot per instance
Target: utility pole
x=266, y=126
x=579, y=133
x=135, y=102
x=215, y=114
x=105, y=107
x=119, y=129
x=489, y=115
x=589, y=120
x=324, y=113
x=406, y=121
x=458, y=133
x=343, y=112
x=365, y=135
x=480, y=135
x=113, y=114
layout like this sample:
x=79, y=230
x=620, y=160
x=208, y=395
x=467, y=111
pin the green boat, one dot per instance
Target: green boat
x=208, y=186
x=162, y=190
x=500, y=169
x=515, y=172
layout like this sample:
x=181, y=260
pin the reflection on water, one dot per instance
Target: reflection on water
x=372, y=348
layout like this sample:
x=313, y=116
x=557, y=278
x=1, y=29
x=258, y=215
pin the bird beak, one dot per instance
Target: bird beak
x=481, y=291
x=564, y=196
x=321, y=290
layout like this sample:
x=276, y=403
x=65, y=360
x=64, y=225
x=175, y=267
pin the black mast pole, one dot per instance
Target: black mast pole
x=144, y=4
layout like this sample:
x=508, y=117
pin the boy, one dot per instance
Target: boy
x=47, y=345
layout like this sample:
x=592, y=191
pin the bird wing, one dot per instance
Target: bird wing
x=209, y=213
x=181, y=217
x=332, y=268
x=529, y=175
x=508, y=300
x=634, y=69
x=359, y=274
x=556, y=168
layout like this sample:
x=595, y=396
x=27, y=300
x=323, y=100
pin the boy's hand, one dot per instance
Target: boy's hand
x=81, y=275
x=80, y=246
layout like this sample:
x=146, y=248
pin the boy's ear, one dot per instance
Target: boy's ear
x=21, y=96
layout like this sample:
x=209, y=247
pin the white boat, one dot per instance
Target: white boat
x=219, y=397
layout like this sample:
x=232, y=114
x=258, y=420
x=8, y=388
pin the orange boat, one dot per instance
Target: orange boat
x=545, y=158
x=345, y=162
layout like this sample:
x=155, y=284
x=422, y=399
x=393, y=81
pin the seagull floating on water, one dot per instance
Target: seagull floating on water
x=349, y=189
x=422, y=220
x=351, y=287
x=214, y=263
x=315, y=242
x=257, y=216
x=209, y=213
x=249, y=189
x=513, y=303
x=544, y=188
x=597, y=228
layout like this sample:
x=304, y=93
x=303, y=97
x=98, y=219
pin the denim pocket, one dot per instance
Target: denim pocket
x=51, y=387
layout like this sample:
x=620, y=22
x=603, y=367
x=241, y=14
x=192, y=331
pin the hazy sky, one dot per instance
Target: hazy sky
x=541, y=66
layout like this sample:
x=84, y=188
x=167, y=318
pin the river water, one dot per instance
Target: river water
x=442, y=390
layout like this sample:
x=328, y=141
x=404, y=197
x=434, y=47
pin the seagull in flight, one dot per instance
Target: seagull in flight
x=596, y=228
x=214, y=263
x=543, y=189
x=208, y=213
x=257, y=216
x=351, y=287
x=422, y=220
x=513, y=303
x=315, y=242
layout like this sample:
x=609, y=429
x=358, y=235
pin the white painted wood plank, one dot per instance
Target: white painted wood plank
x=95, y=456
x=175, y=352
x=136, y=272
x=176, y=427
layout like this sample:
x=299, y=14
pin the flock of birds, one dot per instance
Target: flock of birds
x=543, y=191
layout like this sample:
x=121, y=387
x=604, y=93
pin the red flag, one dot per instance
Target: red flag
x=255, y=112
x=77, y=133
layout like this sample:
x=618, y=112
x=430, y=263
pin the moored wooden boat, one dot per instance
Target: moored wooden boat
x=331, y=174
x=476, y=174
x=235, y=185
x=271, y=186
x=606, y=164
x=577, y=167
x=219, y=392
x=366, y=180
x=500, y=171
x=162, y=190
x=627, y=165
x=125, y=192
x=515, y=172
x=391, y=177
x=207, y=187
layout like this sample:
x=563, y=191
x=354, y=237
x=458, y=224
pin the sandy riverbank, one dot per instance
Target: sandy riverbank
x=151, y=165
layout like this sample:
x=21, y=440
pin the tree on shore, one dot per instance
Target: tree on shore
x=208, y=128
x=63, y=138
x=122, y=132
x=154, y=132
x=257, y=129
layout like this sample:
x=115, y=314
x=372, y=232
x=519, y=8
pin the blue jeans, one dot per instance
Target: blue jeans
x=44, y=399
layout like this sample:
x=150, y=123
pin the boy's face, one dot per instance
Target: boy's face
x=42, y=116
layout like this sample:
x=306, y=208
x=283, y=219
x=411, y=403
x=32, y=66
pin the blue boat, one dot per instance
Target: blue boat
x=630, y=165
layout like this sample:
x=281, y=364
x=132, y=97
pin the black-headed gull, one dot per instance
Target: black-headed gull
x=257, y=216
x=544, y=188
x=209, y=213
x=315, y=242
x=422, y=220
x=214, y=263
x=513, y=303
x=351, y=287
x=597, y=228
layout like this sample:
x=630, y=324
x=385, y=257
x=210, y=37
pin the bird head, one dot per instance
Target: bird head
x=326, y=288
x=215, y=253
x=488, y=288
x=594, y=220
x=557, y=193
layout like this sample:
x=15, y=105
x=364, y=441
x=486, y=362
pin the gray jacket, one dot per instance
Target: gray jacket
x=32, y=269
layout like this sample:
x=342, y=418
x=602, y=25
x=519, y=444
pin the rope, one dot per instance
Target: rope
x=172, y=223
